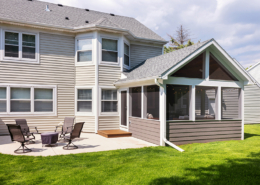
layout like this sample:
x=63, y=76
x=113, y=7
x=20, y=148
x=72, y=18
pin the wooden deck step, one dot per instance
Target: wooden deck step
x=114, y=133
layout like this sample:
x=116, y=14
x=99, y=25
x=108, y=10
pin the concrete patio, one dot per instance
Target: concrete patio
x=88, y=142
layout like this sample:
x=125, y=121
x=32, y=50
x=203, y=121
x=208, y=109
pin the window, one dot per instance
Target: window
x=152, y=102
x=177, y=102
x=109, y=50
x=126, y=54
x=84, y=50
x=43, y=100
x=136, y=101
x=108, y=100
x=20, y=46
x=205, y=103
x=20, y=100
x=24, y=99
x=2, y=99
x=84, y=100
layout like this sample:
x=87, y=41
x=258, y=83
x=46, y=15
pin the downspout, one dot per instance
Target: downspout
x=164, y=133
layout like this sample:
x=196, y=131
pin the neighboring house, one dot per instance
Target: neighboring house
x=252, y=96
x=109, y=71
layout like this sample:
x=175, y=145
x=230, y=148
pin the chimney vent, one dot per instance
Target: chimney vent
x=47, y=8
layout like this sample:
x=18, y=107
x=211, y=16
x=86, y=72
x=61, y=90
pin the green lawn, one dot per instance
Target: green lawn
x=231, y=162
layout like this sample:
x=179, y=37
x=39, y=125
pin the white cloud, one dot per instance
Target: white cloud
x=233, y=23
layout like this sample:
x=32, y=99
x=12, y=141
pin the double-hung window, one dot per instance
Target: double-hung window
x=126, y=55
x=84, y=100
x=20, y=46
x=84, y=50
x=3, y=99
x=109, y=50
x=109, y=100
x=43, y=100
x=24, y=99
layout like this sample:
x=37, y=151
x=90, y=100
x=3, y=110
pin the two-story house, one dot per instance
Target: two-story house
x=110, y=72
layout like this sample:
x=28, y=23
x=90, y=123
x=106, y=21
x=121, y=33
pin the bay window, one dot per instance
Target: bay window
x=84, y=100
x=20, y=46
x=109, y=102
x=84, y=50
x=24, y=99
x=109, y=50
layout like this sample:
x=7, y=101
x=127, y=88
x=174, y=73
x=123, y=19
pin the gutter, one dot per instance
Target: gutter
x=164, y=133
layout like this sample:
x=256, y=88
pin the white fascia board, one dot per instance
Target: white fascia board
x=252, y=67
x=131, y=83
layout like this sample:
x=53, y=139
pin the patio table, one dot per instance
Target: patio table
x=49, y=138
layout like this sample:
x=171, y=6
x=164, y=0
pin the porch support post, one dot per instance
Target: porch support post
x=192, y=97
x=163, y=124
x=142, y=102
x=218, y=101
x=207, y=57
x=241, y=110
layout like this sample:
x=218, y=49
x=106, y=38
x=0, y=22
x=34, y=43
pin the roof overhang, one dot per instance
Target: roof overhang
x=81, y=29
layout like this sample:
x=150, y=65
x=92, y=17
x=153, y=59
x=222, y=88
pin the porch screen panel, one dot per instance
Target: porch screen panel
x=152, y=102
x=205, y=103
x=136, y=101
x=177, y=102
x=194, y=69
x=230, y=103
x=218, y=72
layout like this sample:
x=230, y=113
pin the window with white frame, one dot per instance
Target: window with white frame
x=33, y=100
x=109, y=50
x=109, y=100
x=84, y=100
x=84, y=50
x=2, y=99
x=126, y=54
x=20, y=46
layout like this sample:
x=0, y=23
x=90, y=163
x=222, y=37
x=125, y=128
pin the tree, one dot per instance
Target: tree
x=178, y=41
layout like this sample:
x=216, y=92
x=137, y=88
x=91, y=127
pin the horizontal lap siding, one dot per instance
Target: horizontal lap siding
x=202, y=132
x=140, y=53
x=56, y=68
x=85, y=75
x=108, y=122
x=148, y=130
x=89, y=125
x=108, y=75
x=252, y=104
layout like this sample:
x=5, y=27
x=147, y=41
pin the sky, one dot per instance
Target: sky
x=234, y=24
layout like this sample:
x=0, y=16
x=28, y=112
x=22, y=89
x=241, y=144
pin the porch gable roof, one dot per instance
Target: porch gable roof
x=161, y=66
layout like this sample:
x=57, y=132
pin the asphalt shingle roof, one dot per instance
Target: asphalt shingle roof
x=34, y=12
x=157, y=66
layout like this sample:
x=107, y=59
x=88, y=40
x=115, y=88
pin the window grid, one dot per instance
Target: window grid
x=84, y=50
x=109, y=50
x=83, y=100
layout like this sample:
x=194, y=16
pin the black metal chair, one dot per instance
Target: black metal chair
x=66, y=127
x=74, y=134
x=25, y=129
x=17, y=135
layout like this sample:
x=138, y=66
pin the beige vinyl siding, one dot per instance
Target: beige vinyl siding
x=108, y=75
x=139, y=53
x=85, y=75
x=108, y=122
x=89, y=125
x=252, y=104
x=57, y=67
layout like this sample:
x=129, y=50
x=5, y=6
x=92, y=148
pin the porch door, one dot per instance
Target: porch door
x=123, y=108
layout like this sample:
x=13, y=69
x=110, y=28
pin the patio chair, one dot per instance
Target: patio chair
x=25, y=129
x=17, y=135
x=66, y=127
x=74, y=134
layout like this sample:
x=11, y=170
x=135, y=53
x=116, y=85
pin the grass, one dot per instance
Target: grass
x=228, y=162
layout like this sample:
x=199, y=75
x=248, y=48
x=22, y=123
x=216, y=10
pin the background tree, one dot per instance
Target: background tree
x=181, y=40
